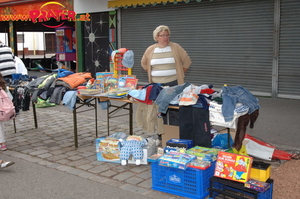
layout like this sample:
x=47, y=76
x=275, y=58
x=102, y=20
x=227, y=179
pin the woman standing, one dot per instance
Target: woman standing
x=2, y=131
x=165, y=62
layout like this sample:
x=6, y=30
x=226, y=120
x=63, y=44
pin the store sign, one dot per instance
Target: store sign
x=46, y=12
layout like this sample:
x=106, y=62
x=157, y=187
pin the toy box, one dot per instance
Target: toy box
x=167, y=149
x=199, y=164
x=233, y=166
x=148, y=150
x=176, y=160
x=181, y=143
x=222, y=188
x=108, y=149
x=257, y=185
x=189, y=183
x=154, y=158
x=260, y=171
x=203, y=153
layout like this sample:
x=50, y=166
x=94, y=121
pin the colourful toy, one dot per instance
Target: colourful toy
x=133, y=145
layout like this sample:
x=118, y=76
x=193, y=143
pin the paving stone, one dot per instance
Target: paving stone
x=53, y=165
x=74, y=171
x=97, y=178
x=85, y=167
x=145, y=175
x=146, y=184
x=86, y=175
x=57, y=152
x=27, y=151
x=134, y=180
x=97, y=163
x=63, y=168
x=78, y=162
x=109, y=173
x=54, y=148
x=123, y=176
x=140, y=168
x=38, y=152
x=72, y=153
x=98, y=169
x=58, y=157
x=75, y=157
x=63, y=161
x=45, y=155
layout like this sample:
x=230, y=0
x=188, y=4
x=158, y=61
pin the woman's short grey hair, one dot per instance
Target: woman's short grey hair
x=159, y=29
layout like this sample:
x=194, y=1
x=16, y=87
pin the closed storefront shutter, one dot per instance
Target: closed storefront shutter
x=289, y=50
x=229, y=42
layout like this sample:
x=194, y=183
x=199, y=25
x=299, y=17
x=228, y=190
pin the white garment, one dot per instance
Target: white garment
x=20, y=66
x=162, y=73
x=2, y=132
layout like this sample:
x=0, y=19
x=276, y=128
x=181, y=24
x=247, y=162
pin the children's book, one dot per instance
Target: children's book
x=122, y=81
x=99, y=84
x=110, y=83
x=100, y=75
x=233, y=167
x=131, y=83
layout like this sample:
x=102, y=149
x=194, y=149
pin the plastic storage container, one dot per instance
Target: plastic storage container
x=260, y=171
x=220, y=188
x=191, y=183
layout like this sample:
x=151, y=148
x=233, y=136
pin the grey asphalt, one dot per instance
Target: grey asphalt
x=29, y=180
x=49, y=166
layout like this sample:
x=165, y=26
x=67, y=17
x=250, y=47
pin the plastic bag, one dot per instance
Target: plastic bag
x=220, y=141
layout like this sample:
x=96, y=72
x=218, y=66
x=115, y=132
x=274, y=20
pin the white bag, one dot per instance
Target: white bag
x=255, y=149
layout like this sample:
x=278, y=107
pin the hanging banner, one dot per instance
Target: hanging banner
x=42, y=12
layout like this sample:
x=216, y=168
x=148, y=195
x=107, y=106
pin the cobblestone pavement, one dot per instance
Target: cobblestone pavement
x=52, y=145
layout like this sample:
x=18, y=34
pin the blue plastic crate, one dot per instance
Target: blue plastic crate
x=191, y=183
x=222, y=188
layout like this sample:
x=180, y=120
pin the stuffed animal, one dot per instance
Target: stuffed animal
x=133, y=145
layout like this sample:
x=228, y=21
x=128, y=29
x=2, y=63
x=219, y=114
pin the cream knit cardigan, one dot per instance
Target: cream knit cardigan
x=182, y=60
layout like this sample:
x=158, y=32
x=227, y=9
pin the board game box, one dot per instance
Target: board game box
x=233, y=166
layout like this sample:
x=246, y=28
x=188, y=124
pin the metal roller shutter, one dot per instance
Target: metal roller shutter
x=289, y=50
x=229, y=42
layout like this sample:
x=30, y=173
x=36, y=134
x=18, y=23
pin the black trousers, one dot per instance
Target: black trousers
x=195, y=125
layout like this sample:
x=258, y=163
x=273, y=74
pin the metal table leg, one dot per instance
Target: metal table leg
x=34, y=115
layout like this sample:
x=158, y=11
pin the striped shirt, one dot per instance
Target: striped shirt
x=163, y=65
x=7, y=62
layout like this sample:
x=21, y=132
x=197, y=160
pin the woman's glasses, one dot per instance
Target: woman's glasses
x=164, y=35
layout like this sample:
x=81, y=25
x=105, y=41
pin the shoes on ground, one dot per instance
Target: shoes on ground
x=3, y=147
x=5, y=164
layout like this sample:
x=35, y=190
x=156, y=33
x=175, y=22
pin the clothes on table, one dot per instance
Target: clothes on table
x=231, y=95
x=146, y=117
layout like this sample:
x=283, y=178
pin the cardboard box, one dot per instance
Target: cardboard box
x=108, y=150
x=148, y=151
x=170, y=132
x=257, y=185
x=176, y=160
x=203, y=153
x=233, y=167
